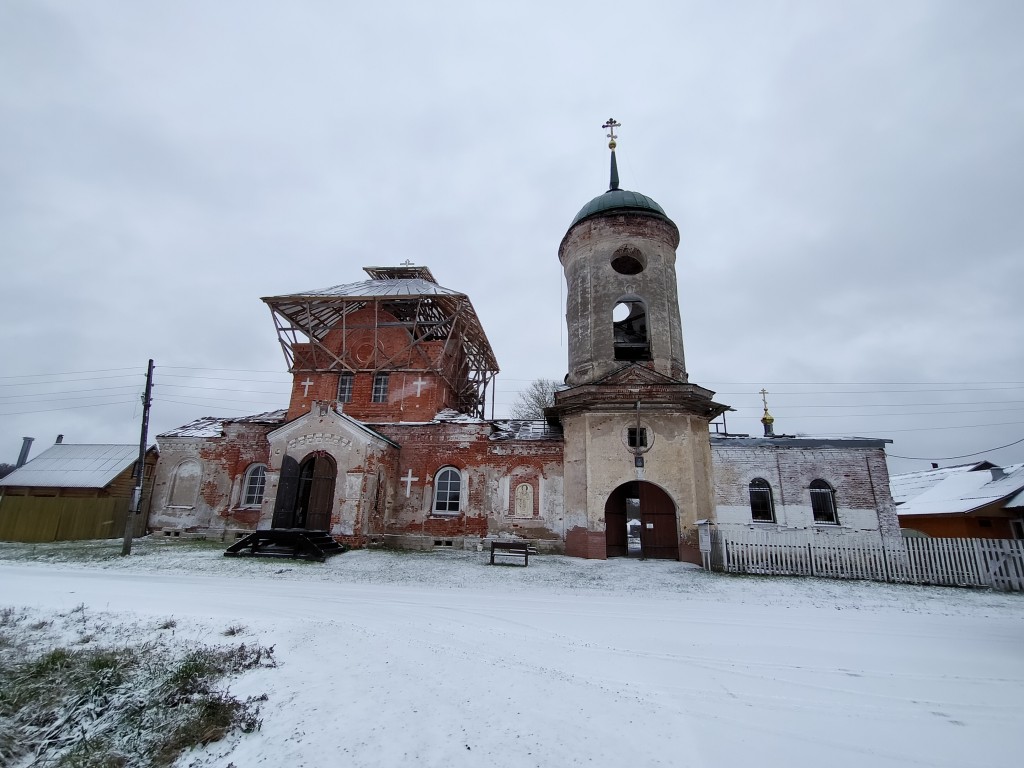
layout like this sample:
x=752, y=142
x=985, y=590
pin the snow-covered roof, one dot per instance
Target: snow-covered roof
x=213, y=426
x=719, y=440
x=965, y=491
x=74, y=466
x=535, y=429
x=912, y=484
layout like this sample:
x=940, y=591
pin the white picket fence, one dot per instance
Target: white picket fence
x=996, y=563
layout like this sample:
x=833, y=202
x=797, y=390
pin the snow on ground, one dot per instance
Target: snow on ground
x=438, y=659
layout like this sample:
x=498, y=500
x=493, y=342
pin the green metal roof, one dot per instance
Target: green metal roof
x=618, y=199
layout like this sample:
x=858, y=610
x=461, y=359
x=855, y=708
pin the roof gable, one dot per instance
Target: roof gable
x=340, y=421
x=636, y=374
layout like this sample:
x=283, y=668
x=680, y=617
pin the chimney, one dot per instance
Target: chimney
x=934, y=465
x=26, y=446
x=60, y=439
x=997, y=473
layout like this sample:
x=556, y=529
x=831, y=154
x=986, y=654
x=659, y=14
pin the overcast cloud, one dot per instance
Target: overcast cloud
x=847, y=179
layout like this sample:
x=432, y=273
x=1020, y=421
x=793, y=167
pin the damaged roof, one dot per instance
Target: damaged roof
x=74, y=466
x=535, y=429
x=213, y=426
x=409, y=298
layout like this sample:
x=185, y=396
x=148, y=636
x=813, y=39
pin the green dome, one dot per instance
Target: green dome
x=616, y=200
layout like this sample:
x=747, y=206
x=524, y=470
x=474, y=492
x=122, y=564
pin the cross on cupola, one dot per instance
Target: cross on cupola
x=767, y=420
x=611, y=125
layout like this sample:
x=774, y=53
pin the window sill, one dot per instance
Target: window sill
x=445, y=514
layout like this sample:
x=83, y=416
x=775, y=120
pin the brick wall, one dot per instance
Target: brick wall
x=858, y=475
x=490, y=470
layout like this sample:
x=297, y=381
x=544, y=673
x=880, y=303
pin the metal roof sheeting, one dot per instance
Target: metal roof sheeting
x=366, y=289
x=74, y=466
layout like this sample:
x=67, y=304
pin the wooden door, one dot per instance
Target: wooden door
x=659, y=535
x=616, y=536
x=321, y=493
x=287, y=489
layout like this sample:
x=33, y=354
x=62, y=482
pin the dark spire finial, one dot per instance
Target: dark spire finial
x=611, y=125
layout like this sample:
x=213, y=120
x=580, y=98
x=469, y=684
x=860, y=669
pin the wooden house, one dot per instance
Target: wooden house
x=74, y=492
x=979, y=501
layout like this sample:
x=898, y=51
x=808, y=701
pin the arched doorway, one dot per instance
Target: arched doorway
x=305, y=492
x=653, y=509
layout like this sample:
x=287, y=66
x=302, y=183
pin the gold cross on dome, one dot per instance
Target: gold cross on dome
x=612, y=124
x=764, y=397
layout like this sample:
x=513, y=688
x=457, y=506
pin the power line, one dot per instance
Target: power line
x=229, y=389
x=221, y=407
x=66, y=373
x=68, y=381
x=70, y=407
x=216, y=378
x=962, y=456
x=70, y=391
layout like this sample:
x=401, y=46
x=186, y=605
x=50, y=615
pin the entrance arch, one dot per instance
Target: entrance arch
x=305, y=494
x=656, y=512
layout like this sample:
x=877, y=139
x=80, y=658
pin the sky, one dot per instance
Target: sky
x=847, y=181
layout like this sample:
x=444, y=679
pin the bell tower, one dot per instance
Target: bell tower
x=637, y=449
x=619, y=258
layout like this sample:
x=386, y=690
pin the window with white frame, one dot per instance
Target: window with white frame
x=762, y=506
x=823, y=502
x=345, y=388
x=254, y=485
x=447, y=491
x=380, y=388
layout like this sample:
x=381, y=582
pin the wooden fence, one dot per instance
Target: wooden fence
x=997, y=563
x=37, y=519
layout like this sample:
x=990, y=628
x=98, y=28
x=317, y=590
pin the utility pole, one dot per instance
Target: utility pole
x=140, y=472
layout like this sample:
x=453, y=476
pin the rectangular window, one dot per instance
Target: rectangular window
x=345, y=388
x=380, y=388
x=823, y=503
x=637, y=438
x=761, y=507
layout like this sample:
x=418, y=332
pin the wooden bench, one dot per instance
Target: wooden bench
x=515, y=548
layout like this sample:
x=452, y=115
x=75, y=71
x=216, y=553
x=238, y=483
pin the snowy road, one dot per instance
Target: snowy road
x=491, y=669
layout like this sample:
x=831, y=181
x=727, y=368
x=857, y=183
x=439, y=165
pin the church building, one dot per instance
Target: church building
x=386, y=441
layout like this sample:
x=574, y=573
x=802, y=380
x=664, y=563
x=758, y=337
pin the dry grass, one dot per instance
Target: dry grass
x=130, y=704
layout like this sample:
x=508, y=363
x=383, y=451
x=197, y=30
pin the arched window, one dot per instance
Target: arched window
x=762, y=506
x=447, y=491
x=254, y=484
x=629, y=328
x=823, y=502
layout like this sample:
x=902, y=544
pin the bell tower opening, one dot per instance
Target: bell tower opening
x=629, y=323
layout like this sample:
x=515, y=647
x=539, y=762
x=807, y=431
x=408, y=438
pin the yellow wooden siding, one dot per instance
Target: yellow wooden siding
x=38, y=519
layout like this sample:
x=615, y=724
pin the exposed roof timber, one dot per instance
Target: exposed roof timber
x=439, y=315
